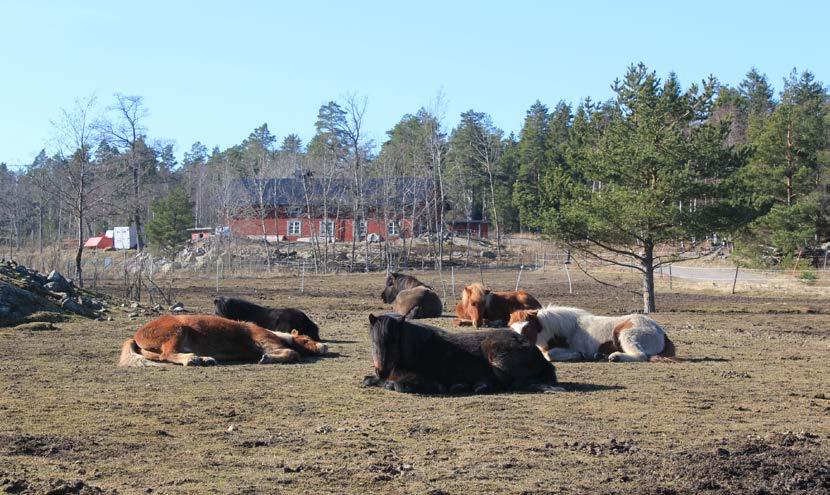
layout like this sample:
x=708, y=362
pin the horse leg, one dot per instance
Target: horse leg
x=404, y=381
x=484, y=386
x=280, y=355
x=170, y=351
x=544, y=388
x=630, y=349
x=562, y=354
x=372, y=381
x=305, y=345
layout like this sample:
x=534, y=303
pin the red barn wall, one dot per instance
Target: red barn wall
x=343, y=227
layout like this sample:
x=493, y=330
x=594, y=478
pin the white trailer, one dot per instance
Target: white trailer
x=125, y=238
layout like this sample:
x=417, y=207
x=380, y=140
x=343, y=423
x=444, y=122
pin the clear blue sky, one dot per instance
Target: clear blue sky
x=212, y=71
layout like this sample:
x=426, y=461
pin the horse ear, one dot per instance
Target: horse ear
x=294, y=332
x=372, y=319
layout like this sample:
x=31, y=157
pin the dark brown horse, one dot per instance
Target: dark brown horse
x=418, y=302
x=411, y=297
x=415, y=358
x=280, y=319
x=396, y=282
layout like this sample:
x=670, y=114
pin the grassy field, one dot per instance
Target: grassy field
x=748, y=411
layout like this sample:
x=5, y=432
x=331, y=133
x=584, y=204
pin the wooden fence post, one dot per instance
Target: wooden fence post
x=519, y=276
x=570, y=284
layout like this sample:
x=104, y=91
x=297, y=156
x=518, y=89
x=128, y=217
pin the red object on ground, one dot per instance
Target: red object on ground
x=101, y=242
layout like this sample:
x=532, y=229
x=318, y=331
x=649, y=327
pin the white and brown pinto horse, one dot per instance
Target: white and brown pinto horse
x=572, y=334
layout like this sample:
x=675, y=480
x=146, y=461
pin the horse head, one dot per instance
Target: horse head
x=474, y=299
x=220, y=306
x=390, y=290
x=385, y=334
x=525, y=323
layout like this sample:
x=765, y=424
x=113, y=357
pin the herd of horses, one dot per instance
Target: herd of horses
x=516, y=353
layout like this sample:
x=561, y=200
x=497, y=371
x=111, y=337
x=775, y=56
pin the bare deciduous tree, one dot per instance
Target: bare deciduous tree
x=72, y=179
x=127, y=131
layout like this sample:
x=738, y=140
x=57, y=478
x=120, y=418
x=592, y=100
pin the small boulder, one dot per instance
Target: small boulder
x=56, y=282
x=70, y=304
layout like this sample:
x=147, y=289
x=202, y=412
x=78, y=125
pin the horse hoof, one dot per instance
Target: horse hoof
x=613, y=358
x=458, y=388
x=322, y=348
x=208, y=361
x=481, y=388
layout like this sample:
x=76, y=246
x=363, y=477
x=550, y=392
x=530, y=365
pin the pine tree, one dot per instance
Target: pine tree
x=787, y=172
x=533, y=158
x=172, y=216
x=652, y=151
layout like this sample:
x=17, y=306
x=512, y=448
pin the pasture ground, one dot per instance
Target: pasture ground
x=747, y=412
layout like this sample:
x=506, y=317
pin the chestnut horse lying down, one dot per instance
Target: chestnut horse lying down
x=201, y=340
x=415, y=358
x=411, y=297
x=480, y=306
x=281, y=319
x=571, y=334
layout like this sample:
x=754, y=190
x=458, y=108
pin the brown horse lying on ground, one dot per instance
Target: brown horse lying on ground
x=480, y=306
x=397, y=282
x=418, y=302
x=411, y=297
x=414, y=358
x=200, y=340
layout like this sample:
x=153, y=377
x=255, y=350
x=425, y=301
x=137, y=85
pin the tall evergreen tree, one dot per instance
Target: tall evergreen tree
x=533, y=158
x=172, y=216
x=651, y=153
x=788, y=171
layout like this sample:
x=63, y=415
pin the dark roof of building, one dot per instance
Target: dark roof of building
x=294, y=192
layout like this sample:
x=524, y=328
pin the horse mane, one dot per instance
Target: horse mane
x=473, y=293
x=559, y=318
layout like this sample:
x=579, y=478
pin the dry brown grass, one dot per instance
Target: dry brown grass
x=757, y=368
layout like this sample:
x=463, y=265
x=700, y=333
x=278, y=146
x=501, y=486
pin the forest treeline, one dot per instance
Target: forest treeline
x=657, y=163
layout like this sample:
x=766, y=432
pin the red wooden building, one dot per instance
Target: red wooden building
x=299, y=209
x=475, y=228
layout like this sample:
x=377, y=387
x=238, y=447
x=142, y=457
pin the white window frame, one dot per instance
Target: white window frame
x=392, y=229
x=329, y=232
x=299, y=224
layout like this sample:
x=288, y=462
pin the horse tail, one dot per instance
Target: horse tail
x=667, y=355
x=131, y=356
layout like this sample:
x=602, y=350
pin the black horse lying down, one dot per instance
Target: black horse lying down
x=415, y=358
x=280, y=319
